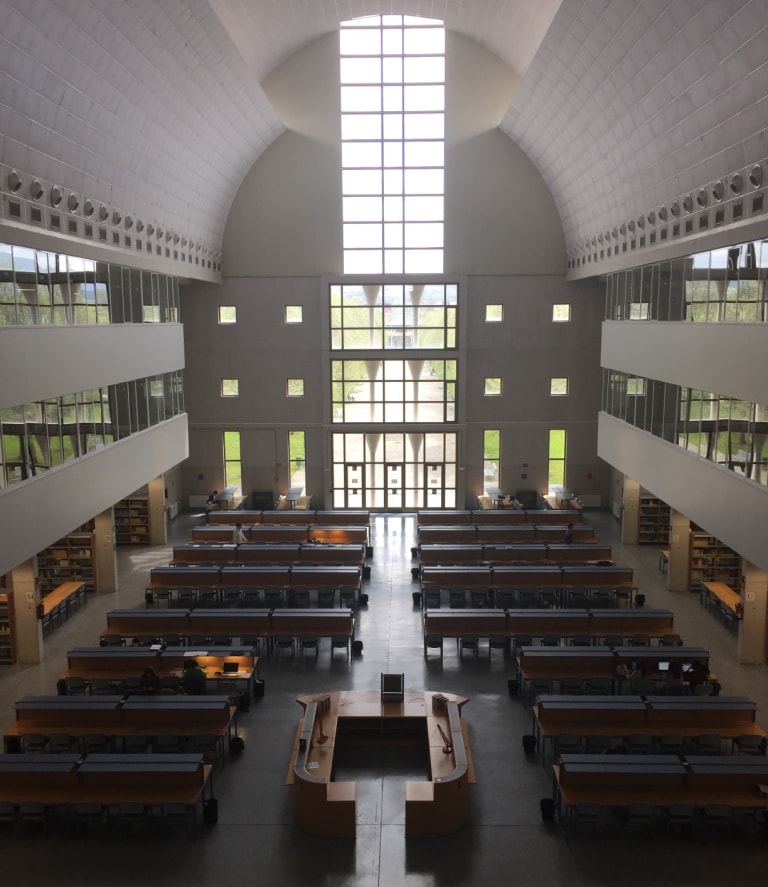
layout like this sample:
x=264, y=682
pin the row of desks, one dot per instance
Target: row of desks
x=602, y=662
x=622, y=716
x=287, y=553
x=117, y=716
x=660, y=780
x=235, y=623
x=538, y=623
x=283, y=576
x=284, y=533
x=322, y=518
x=482, y=534
x=118, y=663
x=495, y=576
x=540, y=517
x=433, y=553
x=67, y=779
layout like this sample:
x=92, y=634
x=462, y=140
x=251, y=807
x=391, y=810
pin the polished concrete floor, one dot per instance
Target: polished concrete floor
x=506, y=841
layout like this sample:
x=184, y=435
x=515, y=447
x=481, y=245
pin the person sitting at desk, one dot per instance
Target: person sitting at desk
x=568, y=537
x=696, y=674
x=238, y=536
x=150, y=683
x=193, y=680
x=211, y=500
x=512, y=502
x=674, y=685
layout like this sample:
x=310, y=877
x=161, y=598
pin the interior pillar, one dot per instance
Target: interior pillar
x=28, y=628
x=753, y=631
x=679, y=566
x=158, y=531
x=105, y=551
x=630, y=512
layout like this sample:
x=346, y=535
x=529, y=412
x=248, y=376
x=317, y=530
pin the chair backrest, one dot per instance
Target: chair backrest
x=392, y=687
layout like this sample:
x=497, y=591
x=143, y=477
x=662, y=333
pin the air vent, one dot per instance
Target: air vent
x=14, y=209
x=55, y=221
x=756, y=176
x=36, y=189
x=14, y=182
x=72, y=226
x=57, y=195
x=73, y=203
x=35, y=215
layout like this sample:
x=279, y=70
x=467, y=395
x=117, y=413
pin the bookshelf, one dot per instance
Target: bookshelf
x=712, y=561
x=653, y=521
x=132, y=521
x=69, y=559
x=7, y=651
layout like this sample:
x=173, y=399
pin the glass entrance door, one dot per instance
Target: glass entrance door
x=393, y=486
x=394, y=471
x=434, y=476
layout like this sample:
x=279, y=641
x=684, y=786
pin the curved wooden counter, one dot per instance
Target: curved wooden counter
x=438, y=806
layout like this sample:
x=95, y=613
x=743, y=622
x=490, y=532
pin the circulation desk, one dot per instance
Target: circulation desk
x=438, y=806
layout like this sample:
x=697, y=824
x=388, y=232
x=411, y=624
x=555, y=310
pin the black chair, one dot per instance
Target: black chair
x=433, y=642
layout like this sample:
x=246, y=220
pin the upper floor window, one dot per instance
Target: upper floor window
x=397, y=316
x=227, y=314
x=494, y=313
x=293, y=314
x=561, y=313
x=392, y=144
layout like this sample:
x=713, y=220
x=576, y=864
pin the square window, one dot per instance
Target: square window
x=227, y=314
x=295, y=388
x=494, y=313
x=230, y=387
x=561, y=313
x=635, y=386
x=492, y=386
x=293, y=314
x=558, y=386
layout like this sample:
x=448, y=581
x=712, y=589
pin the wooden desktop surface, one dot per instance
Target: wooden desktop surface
x=59, y=595
x=724, y=593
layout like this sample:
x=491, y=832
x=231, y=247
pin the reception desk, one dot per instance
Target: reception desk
x=437, y=806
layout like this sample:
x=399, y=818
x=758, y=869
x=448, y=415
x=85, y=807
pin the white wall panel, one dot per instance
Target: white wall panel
x=36, y=513
x=722, y=502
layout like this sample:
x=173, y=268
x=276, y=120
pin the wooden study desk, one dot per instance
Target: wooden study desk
x=537, y=623
x=448, y=534
x=660, y=780
x=725, y=594
x=118, y=717
x=438, y=806
x=118, y=663
x=64, y=594
x=207, y=553
x=655, y=716
x=426, y=518
x=601, y=661
x=110, y=780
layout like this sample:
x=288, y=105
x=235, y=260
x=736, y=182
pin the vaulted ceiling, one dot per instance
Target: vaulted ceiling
x=156, y=108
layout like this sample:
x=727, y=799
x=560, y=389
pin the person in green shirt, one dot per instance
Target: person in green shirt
x=193, y=680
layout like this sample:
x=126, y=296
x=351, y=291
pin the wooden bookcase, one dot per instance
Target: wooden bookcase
x=712, y=561
x=132, y=521
x=7, y=645
x=69, y=559
x=653, y=521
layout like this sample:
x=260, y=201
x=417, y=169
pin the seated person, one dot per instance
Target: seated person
x=238, y=535
x=674, y=685
x=697, y=674
x=512, y=502
x=193, y=680
x=150, y=683
x=211, y=500
x=568, y=537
